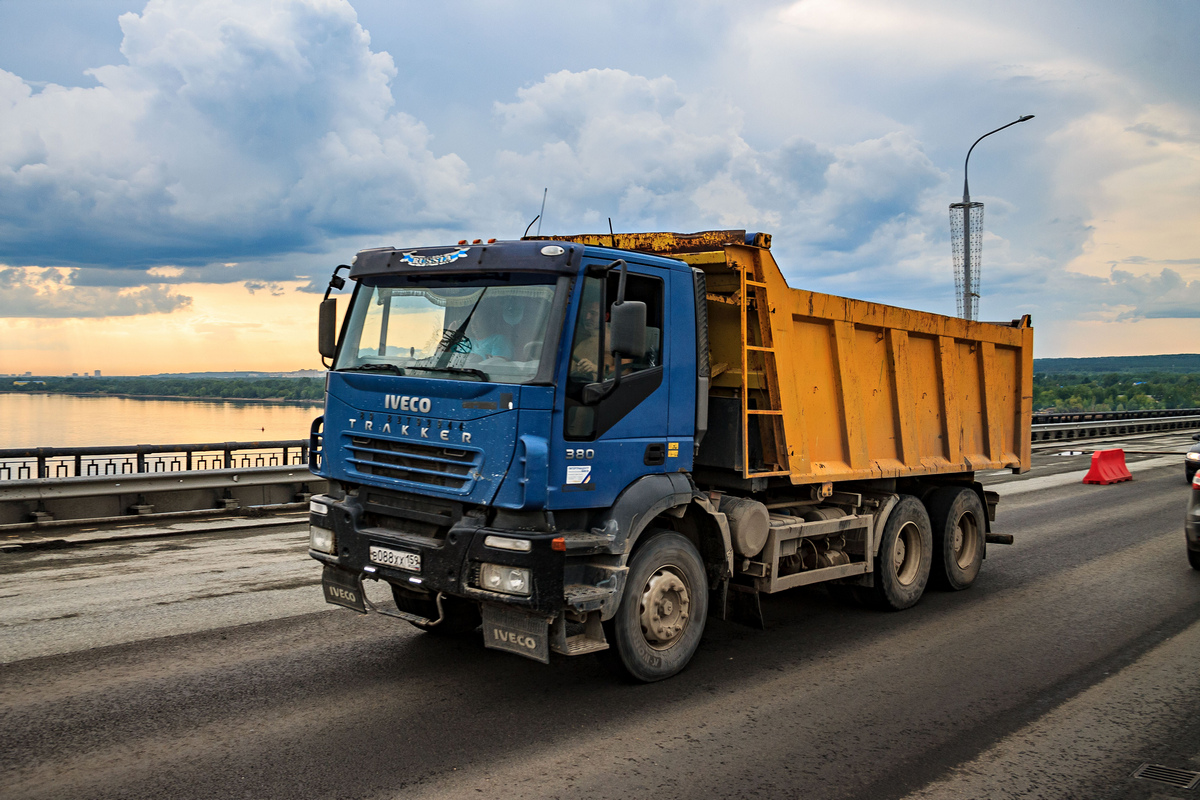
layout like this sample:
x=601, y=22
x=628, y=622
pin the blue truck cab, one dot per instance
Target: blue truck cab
x=504, y=423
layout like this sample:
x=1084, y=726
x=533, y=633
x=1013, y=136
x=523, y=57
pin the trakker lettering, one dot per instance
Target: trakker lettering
x=445, y=429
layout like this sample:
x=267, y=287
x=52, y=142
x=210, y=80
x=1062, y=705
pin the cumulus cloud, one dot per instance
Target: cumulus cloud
x=233, y=129
x=650, y=155
x=52, y=292
x=1163, y=296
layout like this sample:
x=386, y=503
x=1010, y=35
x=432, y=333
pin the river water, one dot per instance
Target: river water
x=58, y=420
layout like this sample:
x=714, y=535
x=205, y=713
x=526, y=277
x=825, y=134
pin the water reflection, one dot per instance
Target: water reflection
x=56, y=420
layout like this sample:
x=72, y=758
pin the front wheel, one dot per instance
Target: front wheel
x=658, y=626
x=1194, y=558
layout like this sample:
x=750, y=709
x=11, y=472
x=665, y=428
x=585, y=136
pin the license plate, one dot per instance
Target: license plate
x=343, y=588
x=398, y=559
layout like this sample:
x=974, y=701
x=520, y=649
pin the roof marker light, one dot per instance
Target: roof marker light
x=477, y=241
x=462, y=241
x=552, y=250
x=491, y=241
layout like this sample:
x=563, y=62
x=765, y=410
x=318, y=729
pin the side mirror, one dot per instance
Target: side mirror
x=327, y=328
x=627, y=329
x=1196, y=437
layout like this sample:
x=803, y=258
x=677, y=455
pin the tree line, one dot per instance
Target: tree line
x=1115, y=391
x=225, y=388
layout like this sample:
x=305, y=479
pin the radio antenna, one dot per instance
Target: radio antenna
x=530, y=225
x=542, y=213
x=612, y=237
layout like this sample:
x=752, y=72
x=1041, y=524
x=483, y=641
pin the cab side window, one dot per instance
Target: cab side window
x=589, y=350
x=592, y=362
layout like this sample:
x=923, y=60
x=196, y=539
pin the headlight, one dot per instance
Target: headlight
x=316, y=507
x=321, y=540
x=1193, y=456
x=508, y=580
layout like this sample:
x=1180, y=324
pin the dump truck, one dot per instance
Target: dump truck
x=593, y=443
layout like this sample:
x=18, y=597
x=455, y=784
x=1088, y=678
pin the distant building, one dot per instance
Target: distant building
x=74, y=374
x=97, y=373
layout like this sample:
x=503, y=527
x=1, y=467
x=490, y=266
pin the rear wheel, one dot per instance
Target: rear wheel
x=459, y=616
x=905, y=553
x=660, y=621
x=958, y=530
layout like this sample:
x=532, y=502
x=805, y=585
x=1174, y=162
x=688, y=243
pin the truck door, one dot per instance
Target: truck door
x=605, y=445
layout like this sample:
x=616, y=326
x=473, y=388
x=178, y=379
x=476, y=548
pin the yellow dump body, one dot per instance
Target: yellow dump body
x=835, y=389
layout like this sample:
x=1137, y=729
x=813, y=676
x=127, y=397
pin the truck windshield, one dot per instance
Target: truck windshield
x=488, y=328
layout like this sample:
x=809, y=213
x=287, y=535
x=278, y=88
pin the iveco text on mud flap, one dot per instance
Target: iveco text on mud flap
x=514, y=632
x=586, y=443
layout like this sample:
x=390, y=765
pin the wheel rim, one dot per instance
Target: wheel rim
x=966, y=541
x=665, y=607
x=907, y=553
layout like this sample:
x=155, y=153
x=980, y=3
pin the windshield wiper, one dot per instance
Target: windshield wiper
x=375, y=368
x=483, y=376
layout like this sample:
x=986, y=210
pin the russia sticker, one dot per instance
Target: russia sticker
x=415, y=260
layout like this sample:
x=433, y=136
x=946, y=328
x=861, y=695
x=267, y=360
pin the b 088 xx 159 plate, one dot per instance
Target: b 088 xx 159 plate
x=398, y=559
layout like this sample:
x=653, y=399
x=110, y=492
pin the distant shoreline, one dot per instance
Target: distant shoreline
x=261, y=400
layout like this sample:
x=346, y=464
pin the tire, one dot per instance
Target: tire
x=658, y=626
x=460, y=616
x=905, y=554
x=1194, y=558
x=959, y=527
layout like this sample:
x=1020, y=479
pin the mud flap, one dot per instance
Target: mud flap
x=343, y=588
x=516, y=632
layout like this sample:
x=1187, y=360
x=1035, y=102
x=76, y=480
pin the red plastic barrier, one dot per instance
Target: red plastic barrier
x=1108, y=466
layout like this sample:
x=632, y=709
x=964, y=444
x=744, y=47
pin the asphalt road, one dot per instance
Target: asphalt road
x=208, y=666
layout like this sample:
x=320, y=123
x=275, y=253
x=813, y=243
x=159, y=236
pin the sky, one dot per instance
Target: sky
x=179, y=177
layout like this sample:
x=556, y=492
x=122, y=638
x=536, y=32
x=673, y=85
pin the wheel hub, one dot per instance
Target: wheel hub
x=901, y=552
x=665, y=608
x=958, y=539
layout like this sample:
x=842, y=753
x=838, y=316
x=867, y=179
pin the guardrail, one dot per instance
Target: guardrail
x=1096, y=425
x=1059, y=417
x=54, y=486
x=78, y=462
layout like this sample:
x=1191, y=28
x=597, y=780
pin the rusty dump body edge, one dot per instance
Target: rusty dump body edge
x=835, y=389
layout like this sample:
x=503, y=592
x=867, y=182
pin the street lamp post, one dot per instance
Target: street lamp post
x=966, y=232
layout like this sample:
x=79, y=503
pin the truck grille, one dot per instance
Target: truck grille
x=444, y=467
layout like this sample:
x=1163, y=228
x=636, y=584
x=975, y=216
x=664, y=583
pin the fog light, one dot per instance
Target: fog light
x=1193, y=456
x=315, y=507
x=507, y=580
x=321, y=539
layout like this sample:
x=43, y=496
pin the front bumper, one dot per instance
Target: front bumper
x=451, y=557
